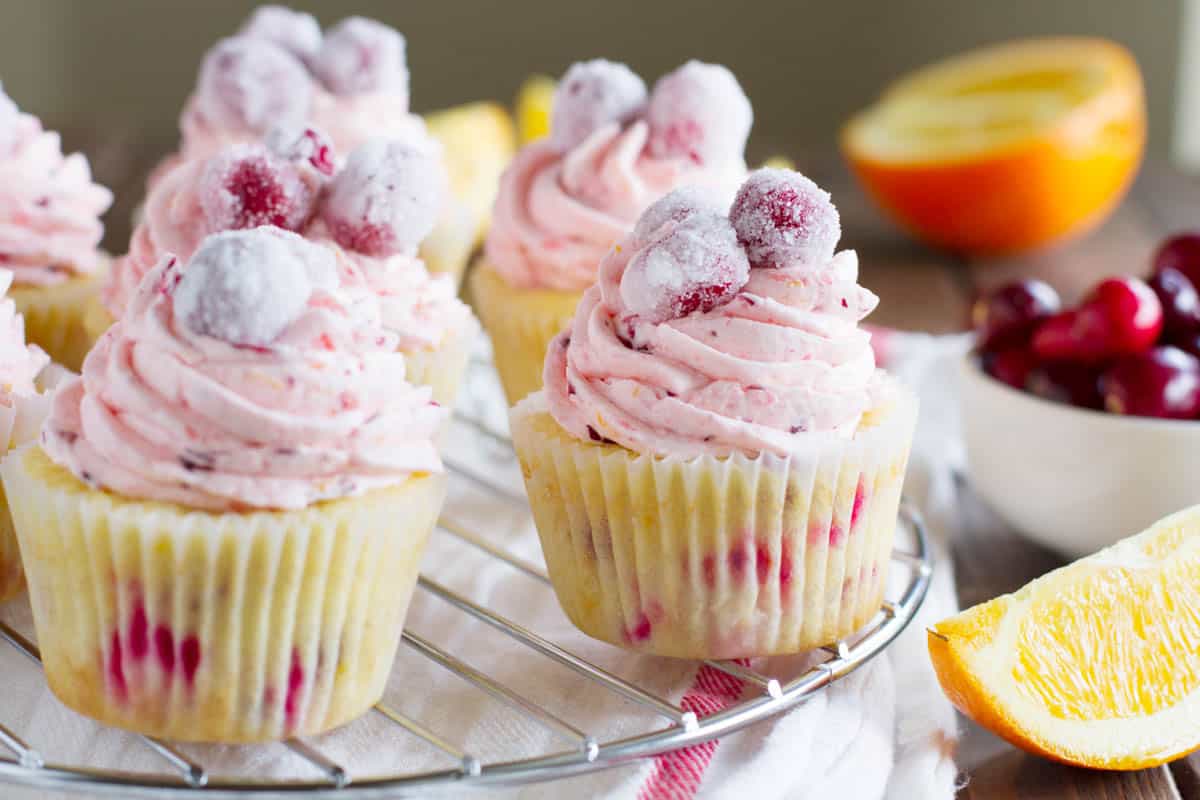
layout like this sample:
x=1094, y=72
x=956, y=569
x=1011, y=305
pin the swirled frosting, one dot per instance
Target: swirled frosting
x=782, y=360
x=50, y=208
x=20, y=363
x=558, y=213
x=164, y=413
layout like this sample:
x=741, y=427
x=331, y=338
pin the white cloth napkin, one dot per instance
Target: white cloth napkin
x=885, y=732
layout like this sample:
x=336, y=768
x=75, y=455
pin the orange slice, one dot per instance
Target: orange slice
x=1096, y=664
x=1005, y=148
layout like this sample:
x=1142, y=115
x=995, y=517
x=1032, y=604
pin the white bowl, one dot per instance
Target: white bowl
x=1070, y=478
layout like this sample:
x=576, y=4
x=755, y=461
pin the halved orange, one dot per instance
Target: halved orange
x=1005, y=148
x=1096, y=664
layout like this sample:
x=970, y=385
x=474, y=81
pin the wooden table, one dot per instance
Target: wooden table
x=920, y=289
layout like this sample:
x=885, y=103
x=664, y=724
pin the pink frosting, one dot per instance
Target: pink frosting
x=50, y=208
x=781, y=361
x=557, y=213
x=162, y=413
x=20, y=363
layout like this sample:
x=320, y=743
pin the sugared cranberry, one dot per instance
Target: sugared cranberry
x=1188, y=343
x=295, y=31
x=307, y=144
x=1119, y=317
x=248, y=186
x=1164, y=382
x=783, y=218
x=677, y=207
x=1180, y=301
x=696, y=267
x=1011, y=366
x=1066, y=382
x=699, y=112
x=1180, y=252
x=252, y=84
x=386, y=199
x=361, y=55
x=1007, y=316
x=10, y=115
x=591, y=95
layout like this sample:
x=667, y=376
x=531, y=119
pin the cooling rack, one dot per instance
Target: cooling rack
x=577, y=751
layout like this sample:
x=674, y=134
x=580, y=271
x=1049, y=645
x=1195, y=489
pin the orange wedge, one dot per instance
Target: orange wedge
x=1096, y=664
x=1006, y=148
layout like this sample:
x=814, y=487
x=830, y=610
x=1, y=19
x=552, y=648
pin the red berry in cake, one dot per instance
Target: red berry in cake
x=361, y=55
x=591, y=95
x=679, y=205
x=1008, y=316
x=252, y=84
x=782, y=218
x=700, y=113
x=247, y=287
x=295, y=31
x=1180, y=252
x=1012, y=365
x=1066, y=382
x=1180, y=302
x=1120, y=316
x=386, y=199
x=1163, y=382
x=303, y=145
x=247, y=186
x=696, y=267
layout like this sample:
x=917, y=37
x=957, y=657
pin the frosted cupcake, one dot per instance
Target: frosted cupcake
x=350, y=82
x=50, y=232
x=22, y=408
x=567, y=199
x=715, y=462
x=222, y=526
x=373, y=208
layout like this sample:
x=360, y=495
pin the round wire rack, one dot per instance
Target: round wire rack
x=766, y=695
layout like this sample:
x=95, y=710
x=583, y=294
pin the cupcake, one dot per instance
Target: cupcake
x=372, y=207
x=222, y=526
x=50, y=233
x=350, y=82
x=22, y=408
x=715, y=461
x=568, y=198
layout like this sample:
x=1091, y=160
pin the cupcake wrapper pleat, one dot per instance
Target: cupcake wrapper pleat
x=233, y=627
x=717, y=557
x=521, y=324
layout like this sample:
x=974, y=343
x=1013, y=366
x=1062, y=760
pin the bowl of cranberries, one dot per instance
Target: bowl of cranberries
x=1083, y=424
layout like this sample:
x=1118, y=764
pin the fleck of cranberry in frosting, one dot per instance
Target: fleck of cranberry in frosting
x=782, y=218
x=699, y=112
x=591, y=95
x=361, y=55
x=247, y=186
x=252, y=84
x=295, y=31
x=303, y=144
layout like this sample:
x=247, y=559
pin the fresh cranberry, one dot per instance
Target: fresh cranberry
x=1164, y=382
x=1180, y=252
x=1008, y=315
x=248, y=186
x=1011, y=366
x=783, y=218
x=1179, y=299
x=1120, y=316
x=1066, y=382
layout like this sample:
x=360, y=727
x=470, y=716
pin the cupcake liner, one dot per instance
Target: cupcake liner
x=54, y=316
x=717, y=557
x=443, y=367
x=20, y=422
x=234, y=627
x=521, y=323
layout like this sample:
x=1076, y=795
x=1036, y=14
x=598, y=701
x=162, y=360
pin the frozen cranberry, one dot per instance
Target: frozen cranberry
x=386, y=199
x=295, y=31
x=1011, y=366
x=1066, y=382
x=252, y=84
x=1008, y=315
x=699, y=112
x=696, y=267
x=247, y=186
x=1120, y=316
x=591, y=95
x=1180, y=252
x=361, y=55
x=783, y=218
x=1180, y=302
x=1164, y=382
